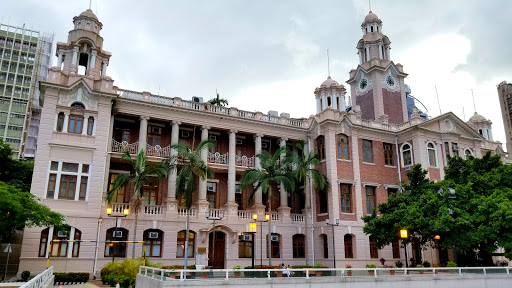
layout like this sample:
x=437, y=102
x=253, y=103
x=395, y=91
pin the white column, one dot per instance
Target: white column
x=257, y=150
x=388, y=53
x=66, y=122
x=283, y=193
x=490, y=134
x=360, y=57
x=334, y=97
x=367, y=53
x=74, y=60
x=69, y=253
x=324, y=102
x=143, y=132
x=318, y=109
x=94, y=125
x=332, y=174
x=93, y=60
x=343, y=106
x=380, y=52
x=171, y=192
x=104, y=70
x=59, y=61
x=85, y=124
x=204, y=157
x=231, y=166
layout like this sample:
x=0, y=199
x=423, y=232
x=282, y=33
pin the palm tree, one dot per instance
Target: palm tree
x=142, y=172
x=191, y=169
x=305, y=172
x=218, y=101
x=272, y=172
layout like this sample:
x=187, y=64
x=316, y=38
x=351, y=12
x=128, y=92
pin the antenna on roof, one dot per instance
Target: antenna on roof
x=370, y=5
x=438, y=104
x=90, y=3
x=474, y=106
x=328, y=64
x=464, y=113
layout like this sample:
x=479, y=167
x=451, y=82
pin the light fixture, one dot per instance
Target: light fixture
x=267, y=217
x=109, y=211
x=126, y=211
x=252, y=227
x=327, y=221
x=437, y=237
x=255, y=216
x=403, y=233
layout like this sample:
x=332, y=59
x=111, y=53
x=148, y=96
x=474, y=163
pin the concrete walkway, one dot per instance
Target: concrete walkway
x=85, y=285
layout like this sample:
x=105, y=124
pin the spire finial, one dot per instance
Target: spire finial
x=90, y=3
x=370, y=5
x=473, y=96
x=328, y=64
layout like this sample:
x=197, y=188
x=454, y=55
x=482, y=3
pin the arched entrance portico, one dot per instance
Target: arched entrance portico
x=216, y=249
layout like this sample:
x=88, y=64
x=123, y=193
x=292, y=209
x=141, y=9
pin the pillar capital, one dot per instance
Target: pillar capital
x=283, y=139
x=176, y=123
x=233, y=131
x=206, y=127
x=258, y=135
x=144, y=118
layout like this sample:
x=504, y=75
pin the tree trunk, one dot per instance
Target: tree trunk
x=269, y=238
x=135, y=234
x=186, y=240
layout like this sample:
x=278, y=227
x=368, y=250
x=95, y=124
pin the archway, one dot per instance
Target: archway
x=216, y=250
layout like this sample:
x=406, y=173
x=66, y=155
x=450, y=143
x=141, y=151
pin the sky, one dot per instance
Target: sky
x=271, y=55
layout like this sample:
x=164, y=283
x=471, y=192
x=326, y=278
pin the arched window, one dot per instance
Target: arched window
x=320, y=144
x=371, y=29
x=432, y=154
x=406, y=151
x=77, y=106
x=90, y=125
x=153, y=239
x=367, y=151
x=298, y=246
x=116, y=249
x=60, y=121
x=275, y=246
x=343, y=146
x=325, y=246
x=60, y=249
x=374, y=252
x=349, y=251
x=467, y=154
x=180, y=245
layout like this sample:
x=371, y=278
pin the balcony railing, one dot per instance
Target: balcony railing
x=217, y=158
x=183, y=211
x=297, y=217
x=224, y=158
x=245, y=215
x=216, y=212
x=245, y=161
x=124, y=146
x=154, y=209
x=275, y=216
x=118, y=208
x=158, y=151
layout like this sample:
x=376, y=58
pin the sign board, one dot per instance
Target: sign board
x=201, y=250
x=8, y=249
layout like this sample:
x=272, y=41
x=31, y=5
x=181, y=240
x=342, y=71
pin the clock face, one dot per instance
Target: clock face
x=363, y=84
x=390, y=81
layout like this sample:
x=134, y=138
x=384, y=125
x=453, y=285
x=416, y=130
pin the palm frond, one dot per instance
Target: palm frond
x=120, y=181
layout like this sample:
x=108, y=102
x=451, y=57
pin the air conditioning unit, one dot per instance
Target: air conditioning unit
x=455, y=147
x=118, y=234
x=61, y=234
x=213, y=137
x=210, y=188
x=156, y=130
x=197, y=99
x=185, y=134
x=246, y=237
x=264, y=145
x=407, y=168
x=274, y=238
x=153, y=235
x=238, y=190
x=239, y=142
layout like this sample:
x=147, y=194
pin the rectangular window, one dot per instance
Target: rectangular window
x=374, y=252
x=367, y=151
x=388, y=154
x=343, y=146
x=85, y=168
x=51, y=186
x=126, y=136
x=75, y=124
x=211, y=193
x=90, y=125
x=83, y=187
x=321, y=147
x=396, y=248
x=446, y=152
x=67, y=187
x=238, y=196
x=69, y=167
x=392, y=191
x=346, y=198
x=370, y=199
x=322, y=199
x=245, y=246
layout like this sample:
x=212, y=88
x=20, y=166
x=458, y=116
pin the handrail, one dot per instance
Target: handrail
x=307, y=272
x=41, y=280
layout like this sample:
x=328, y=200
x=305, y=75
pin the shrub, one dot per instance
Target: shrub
x=451, y=264
x=371, y=266
x=426, y=264
x=71, y=277
x=25, y=275
x=399, y=264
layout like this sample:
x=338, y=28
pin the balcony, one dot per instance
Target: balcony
x=158, y=151
x=118, y=208
x=218, y=158
x=297, y=218
x=121, y=147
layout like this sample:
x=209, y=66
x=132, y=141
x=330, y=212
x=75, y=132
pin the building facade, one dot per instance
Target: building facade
x=25, y=57
x=87, y=123
x=505, y=95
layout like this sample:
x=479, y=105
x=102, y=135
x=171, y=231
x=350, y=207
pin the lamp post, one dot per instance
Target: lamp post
x=333, y=245
x=404, y=235
x=109, y=214
x=252, y=230
x=255, y=218
x=210, y=215
x=451, y=195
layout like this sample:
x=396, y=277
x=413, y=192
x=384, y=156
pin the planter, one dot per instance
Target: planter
x=205, y=275
x=318, y=274
x=391, y=272
x=279, y=274
x=371, y=273
x=349, y=273
x=237, y=275
x=421, y=272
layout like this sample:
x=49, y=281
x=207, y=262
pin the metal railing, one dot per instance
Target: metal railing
x=158, y=151
x=124, y=146
x=42, y=280
x=308, y=273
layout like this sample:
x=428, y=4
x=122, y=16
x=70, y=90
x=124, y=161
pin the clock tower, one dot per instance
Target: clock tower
x=377, y=84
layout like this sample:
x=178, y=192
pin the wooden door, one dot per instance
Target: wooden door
x=216, y=261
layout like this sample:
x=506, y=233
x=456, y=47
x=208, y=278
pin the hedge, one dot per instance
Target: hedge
x=73, y=277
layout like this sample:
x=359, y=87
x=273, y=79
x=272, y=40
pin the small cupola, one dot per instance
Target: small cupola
x=481, y=125
x=371, y=24
x=331, y=95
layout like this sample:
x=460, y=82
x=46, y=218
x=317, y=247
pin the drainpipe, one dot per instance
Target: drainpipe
x=312, y=210
x=97, y=248
x=398, y=163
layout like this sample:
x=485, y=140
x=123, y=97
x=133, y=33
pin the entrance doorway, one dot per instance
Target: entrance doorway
x=216, y=261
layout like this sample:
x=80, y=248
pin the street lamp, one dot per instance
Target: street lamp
x=126, y=211
x=404, y=235
x=451, y=195
x=333, y=245
x=255, y=218
x=210, y=215
x=252, y=230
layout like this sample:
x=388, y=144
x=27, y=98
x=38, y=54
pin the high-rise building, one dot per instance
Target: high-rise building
x=87, y=124
x=505, y=95
x=25, y=56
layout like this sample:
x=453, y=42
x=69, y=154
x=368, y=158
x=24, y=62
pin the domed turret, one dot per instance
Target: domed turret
x=371, y=18
x=88, y=13
x=482, y=125
x=330, y=94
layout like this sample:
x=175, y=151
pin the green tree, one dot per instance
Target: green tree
x=481, y=208
x=19, y=209
x=273, y=171
x=141, y=174
x=191, y=169
x=304, y=172
x=15, y=172
x=218, y=101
